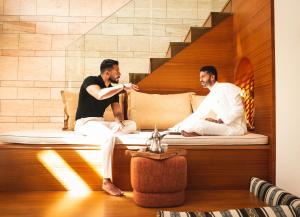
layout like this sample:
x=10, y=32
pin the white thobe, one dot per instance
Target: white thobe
x=225, y=101
x=103, y=133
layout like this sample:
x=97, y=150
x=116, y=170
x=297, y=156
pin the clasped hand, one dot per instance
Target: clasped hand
x=219, y=121
x=130, y=86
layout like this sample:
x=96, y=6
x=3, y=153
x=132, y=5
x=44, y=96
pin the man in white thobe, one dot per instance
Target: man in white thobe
x=224, y=100
x=96, y=94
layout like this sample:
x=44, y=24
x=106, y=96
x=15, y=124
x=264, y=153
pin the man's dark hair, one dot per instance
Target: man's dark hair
x=211, y=70
x=107, y=64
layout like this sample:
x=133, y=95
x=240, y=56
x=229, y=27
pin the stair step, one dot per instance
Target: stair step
x=228, y=7
x=195, y=33
x=157, y=62
x=176, y=47
x=215, y=18
x=135, y=78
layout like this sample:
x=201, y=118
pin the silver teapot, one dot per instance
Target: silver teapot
x=154, y=142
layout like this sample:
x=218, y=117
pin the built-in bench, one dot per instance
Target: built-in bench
x=59, y=160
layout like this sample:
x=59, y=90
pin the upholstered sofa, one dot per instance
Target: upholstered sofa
x=214, y=162
x=162, y=111
x=147, y=110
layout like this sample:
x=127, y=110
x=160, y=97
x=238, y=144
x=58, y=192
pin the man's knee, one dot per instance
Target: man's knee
x=197, y=126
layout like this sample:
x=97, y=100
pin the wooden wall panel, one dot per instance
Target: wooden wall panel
x=253, y=36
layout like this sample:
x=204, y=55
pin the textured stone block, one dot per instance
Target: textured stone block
x=101, y=43
x=35, y=42
x=81, y=28
x=53, y=7
x=7, y=119
x=117, y=29
x=9, y=18
x=51, y=28
x=35, y=68
x=18, y=27
x=20, y=7
x=9, y=68
x=92, y=66
x=61, y=42
x=37, y=119
x=85, y=8
x=16, y=53
x=126, y=11
x=49, y=107
x=142, y=29
x=48, y=126
x=36, y=18
x=58, y=69
x=134, y=43
x=16, y=107
x=8, y=93
x=109, y=6
x=33, y=93
x=68, y=19
x=55, y=93
x=177, y=30
x=17, y=83
x=9, y=41
x=49, y=84
x=133, y=65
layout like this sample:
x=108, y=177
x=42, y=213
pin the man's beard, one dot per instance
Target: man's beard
x=112, y=80
x=206, y=84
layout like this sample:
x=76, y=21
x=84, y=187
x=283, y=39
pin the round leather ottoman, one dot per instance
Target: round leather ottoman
x=159, y=183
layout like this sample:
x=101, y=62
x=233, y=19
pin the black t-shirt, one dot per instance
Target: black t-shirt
x=88, y=106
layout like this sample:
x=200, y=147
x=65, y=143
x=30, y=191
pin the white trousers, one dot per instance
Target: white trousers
x=103, y=133
x=203, y=127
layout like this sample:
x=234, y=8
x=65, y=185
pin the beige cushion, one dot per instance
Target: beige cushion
x=195, y=102
x=70, y=100
x=164, y=111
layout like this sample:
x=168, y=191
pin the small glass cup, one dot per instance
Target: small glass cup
x=143, y=149
x=164, y=147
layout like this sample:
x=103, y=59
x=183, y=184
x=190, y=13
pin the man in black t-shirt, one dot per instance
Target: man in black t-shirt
x=96, y=94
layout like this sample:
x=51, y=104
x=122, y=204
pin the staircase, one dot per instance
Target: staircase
x=193, y=34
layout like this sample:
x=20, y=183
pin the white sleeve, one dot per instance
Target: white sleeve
x=235, y=100
x=204, y=108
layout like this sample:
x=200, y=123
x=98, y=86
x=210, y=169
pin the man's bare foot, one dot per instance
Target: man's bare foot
x=186, y=134
x=111, y=189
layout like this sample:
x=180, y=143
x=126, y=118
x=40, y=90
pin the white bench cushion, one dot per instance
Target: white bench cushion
x=248, y=139
x=139, y=138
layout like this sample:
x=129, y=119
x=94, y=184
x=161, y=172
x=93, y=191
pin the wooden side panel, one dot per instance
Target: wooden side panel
x=181, y=73
x=52, y=169
x=49, y=170
x=253, y=36
x=225, y=169
x=209, y=168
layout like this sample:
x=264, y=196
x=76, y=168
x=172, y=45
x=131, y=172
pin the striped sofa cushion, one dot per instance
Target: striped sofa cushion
x=273, y=195
x=275, y=211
